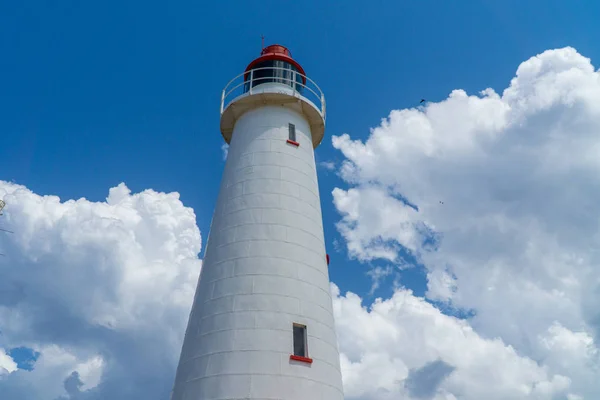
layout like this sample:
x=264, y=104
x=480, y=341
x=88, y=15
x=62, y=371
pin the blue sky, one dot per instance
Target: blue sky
x=98, y=93
x=95, y=93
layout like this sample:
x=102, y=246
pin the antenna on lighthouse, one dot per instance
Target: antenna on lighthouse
x=262, y=38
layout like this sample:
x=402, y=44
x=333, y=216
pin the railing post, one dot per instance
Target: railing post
x=222, y=99
x=323, y=104
x=251, y=79
x=294, y=82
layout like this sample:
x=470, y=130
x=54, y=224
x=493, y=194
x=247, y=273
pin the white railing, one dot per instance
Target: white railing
x=246, y=83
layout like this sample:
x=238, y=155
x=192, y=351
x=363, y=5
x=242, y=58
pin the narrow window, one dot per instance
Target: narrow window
x=300, y=340
x=292, y=132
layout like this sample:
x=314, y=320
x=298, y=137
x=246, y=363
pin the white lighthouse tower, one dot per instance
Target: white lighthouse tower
x=261, y=325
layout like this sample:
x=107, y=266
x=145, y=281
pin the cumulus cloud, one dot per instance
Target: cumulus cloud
x=7, y=364
x=406, y=347
x=378, y=274
x=496, y=196
x=101, y=290
x=424, y=382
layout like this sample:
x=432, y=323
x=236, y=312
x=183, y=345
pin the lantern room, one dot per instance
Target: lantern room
x=275, y=65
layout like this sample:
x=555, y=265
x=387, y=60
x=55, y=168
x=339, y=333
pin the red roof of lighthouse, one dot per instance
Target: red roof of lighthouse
x=277, y=52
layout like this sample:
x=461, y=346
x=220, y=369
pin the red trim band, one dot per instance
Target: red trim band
x=294, y=143
x=301, y=359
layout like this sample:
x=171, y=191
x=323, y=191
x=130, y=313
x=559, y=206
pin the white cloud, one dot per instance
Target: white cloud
x=225, y=150
x=7, y=364
x=100, y=289
x=377, y=275
x=328, y=165
x=506, y=223
x=404, y=346
x=506, y=187
x=52, y=369
x=106, y=288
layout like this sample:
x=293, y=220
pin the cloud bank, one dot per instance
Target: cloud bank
x=494, y=195
x=101, y=290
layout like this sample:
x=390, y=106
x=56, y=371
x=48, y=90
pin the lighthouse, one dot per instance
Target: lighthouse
x=261, y=324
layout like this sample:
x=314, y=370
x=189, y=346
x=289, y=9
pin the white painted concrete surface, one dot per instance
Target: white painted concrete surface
x=264, y=269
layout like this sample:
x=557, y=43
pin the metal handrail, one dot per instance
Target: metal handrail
x=313, y=92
